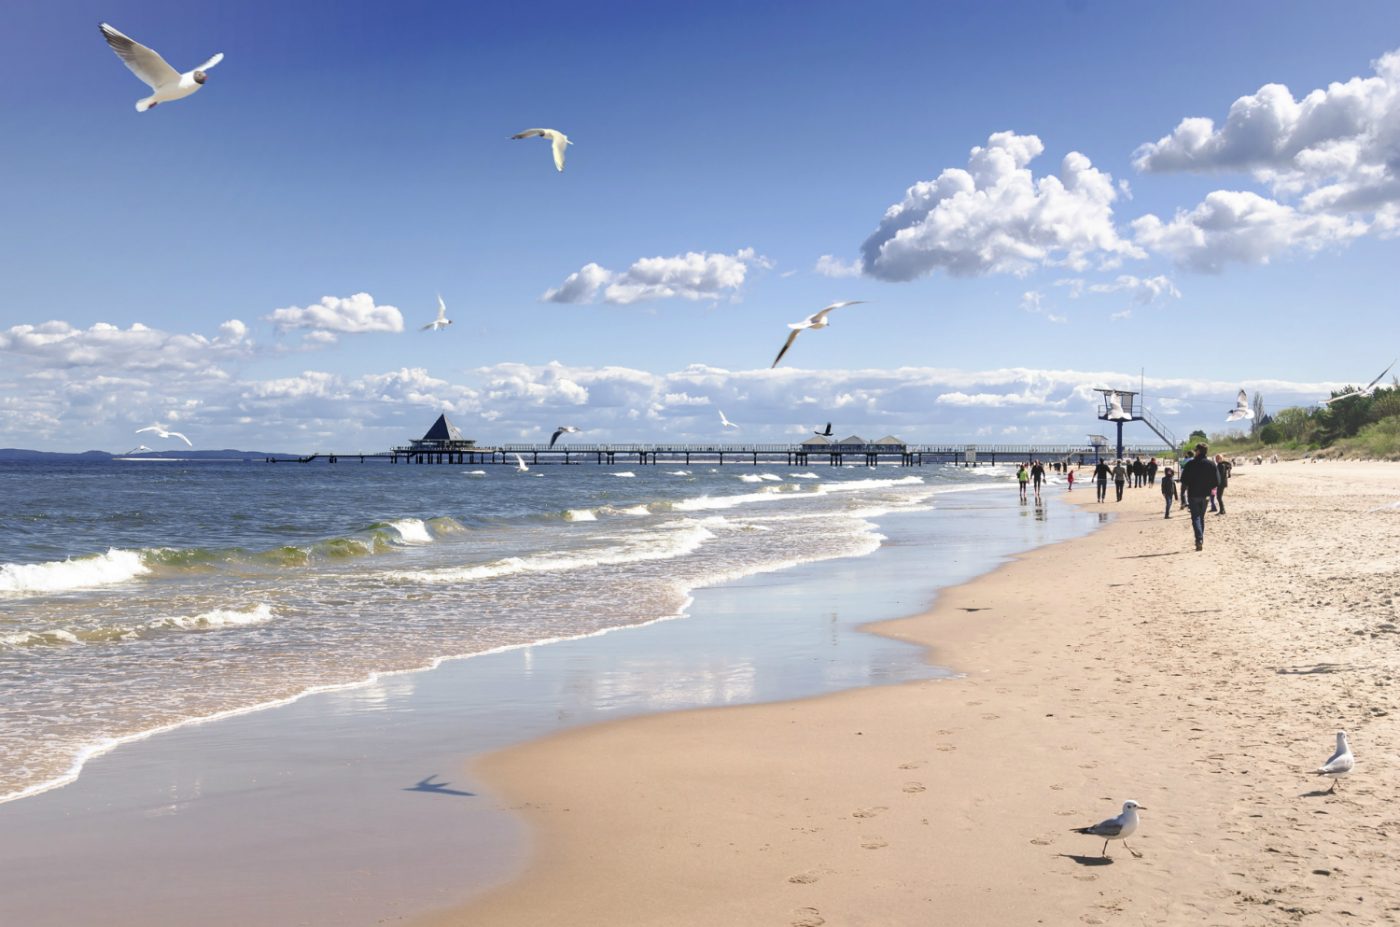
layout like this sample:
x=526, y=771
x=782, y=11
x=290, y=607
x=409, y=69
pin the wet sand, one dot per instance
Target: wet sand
x=1120, y=665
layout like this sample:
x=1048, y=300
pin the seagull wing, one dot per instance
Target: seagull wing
x=176, y=434
x=821, y=316
x=142, y=61
x=1382, y=373
x=1242, y=400
x=530, y=133
x=148, y=428
x=211, y=62
x=561, y=141
x=442, y=309
x=1338, y=764
x=555, y=436
x=1109, y=828
x=787, y=344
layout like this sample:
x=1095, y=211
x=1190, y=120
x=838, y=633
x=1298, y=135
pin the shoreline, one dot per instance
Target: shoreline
x=1118, y=665
x=330, y=778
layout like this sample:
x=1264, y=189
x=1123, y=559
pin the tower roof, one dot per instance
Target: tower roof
x=443, y=430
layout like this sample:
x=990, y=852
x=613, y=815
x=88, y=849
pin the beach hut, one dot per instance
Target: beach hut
x=816, y=441
x=889, y=444
x=850, y=443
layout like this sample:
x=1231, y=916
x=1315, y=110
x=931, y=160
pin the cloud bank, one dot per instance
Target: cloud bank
x=695, y=275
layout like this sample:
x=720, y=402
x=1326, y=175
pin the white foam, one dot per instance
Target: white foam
x=210, y=621
x=475, y=473
x=115, y=566
x=804, y=476
x=678, y=472
x=580, y=515
x=625, y=473
x=31, y=638
x=412, y=530
x=659, y=545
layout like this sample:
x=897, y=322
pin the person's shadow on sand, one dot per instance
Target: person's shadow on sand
x=426, y=784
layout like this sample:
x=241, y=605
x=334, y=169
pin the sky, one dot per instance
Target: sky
x=1032, y=199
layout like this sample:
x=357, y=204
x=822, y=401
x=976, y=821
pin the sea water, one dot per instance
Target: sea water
x=137, y=596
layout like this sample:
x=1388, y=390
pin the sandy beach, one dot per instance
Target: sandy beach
x=1121, y=665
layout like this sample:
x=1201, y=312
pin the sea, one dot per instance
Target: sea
x=138, y=596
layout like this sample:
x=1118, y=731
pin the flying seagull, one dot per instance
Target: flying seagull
x=824, y=434
x=1115, y=409
x=724, y=422
x=520, y=464
x=1366, y=391
x=559, y=140
x=1118, y=828
x=562, y=429
x=160, y=430
x=1340, y=763
x=1241, y=409
x=442, y=321
x=168, y=83
x=814, y=321
x=138, y=449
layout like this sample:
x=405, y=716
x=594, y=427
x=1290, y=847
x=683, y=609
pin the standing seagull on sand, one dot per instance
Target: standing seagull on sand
x=724, y=422
x=562, y=429
x=168, y=83
x=160, y=430
x=442, y=321
x=1364, y=391
x=1339, y=764
x=814, y=321
x=1241, y=409
x=559, y=139
x=1118, y=828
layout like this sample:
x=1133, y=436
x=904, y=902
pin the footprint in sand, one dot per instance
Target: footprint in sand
x=913, y=764
x=990, y=717
x=946, y=748
x=804, y=878
x=912, y=787
x=943, y=732
x=868, y=812
x=807, y=917
x=873, y=843
x=1041, y=841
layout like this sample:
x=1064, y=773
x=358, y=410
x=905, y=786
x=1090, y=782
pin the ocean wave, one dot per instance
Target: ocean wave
x=657, y=545
x=678, y=472
x=580, y=515
x=115, y=566
x=215, y=620
x=804, y=476
x=625, y=473
x=412, y=530
x=760, y=477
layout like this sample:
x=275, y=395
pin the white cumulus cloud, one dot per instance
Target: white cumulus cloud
x=1145, y=290
x=831, y=266
x=996, y=217
x=694, y=275
x=337, y=314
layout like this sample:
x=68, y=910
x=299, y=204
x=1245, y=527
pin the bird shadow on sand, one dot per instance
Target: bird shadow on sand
x=426, y=784
x=1169, y=553
x=1317, y=793
x=1089, y=860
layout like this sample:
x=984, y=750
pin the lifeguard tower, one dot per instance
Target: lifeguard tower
x=1121, y=406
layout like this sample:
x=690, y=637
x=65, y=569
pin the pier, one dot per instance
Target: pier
x=444, y=444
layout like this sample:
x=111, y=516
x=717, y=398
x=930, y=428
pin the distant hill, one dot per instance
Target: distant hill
x=19, y=453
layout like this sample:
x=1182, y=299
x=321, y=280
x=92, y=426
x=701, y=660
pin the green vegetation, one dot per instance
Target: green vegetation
x=1356, y=426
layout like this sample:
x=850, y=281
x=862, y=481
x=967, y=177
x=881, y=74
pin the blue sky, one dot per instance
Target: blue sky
x=358, y=148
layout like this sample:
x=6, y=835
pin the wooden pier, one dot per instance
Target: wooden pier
x=753, y=455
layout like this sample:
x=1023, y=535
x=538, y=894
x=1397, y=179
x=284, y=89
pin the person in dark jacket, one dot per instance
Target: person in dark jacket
x=1152, y=471
x=1198, y=477
x=1101, y=473
x=1223, y=467
x=1168, y=490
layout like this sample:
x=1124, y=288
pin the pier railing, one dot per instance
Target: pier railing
x=908, y=455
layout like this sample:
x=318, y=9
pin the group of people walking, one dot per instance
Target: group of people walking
x=1199, y=483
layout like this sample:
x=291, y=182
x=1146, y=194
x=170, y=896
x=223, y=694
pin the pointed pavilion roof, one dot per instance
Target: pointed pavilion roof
x=443, y=430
